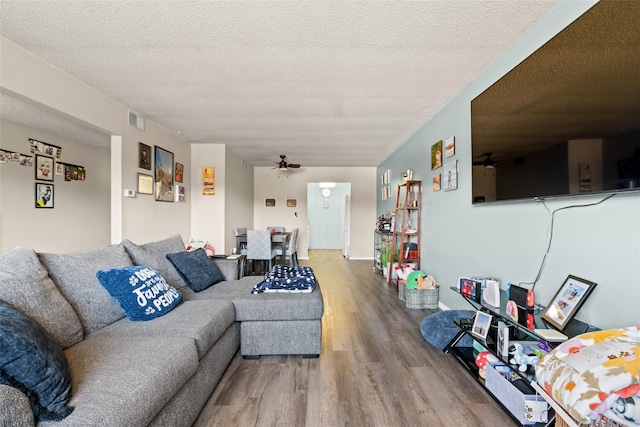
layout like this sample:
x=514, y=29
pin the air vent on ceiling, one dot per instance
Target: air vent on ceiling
x=136, y=120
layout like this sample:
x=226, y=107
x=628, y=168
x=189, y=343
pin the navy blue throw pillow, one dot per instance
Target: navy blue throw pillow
x=32, y=362
x=196, y=269
x=141, y=292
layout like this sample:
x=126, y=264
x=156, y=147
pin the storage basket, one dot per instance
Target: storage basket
x=601, y=422
x=419, y=298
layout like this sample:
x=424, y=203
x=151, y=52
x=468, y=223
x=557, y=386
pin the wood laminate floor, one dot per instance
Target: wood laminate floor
x=375, y=368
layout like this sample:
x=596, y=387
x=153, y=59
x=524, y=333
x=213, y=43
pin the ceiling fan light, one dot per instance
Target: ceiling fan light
x=282, y=168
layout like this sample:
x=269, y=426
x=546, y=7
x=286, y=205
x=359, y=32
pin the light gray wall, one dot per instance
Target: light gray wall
x=239, y=197
x=80, y=218
x=508, y=240
x=140, y=219
x=268, y=183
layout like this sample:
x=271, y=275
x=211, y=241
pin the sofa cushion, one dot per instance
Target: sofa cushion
x=32, y=362
x=25, y=283
x=197, y=270
x=75, y=276
x=141, y=292
x=264, y=306
x=154, y=255
x=203, y=321
x=126, y=381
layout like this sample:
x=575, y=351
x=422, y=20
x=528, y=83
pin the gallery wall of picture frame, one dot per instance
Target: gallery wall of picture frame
x=448, y=178
x=165, y=174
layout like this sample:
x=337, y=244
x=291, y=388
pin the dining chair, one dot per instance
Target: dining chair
x=259, y=247
x=242, y=247
x=292, y=248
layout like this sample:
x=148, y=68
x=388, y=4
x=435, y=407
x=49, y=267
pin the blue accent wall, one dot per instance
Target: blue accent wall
x=509, y=240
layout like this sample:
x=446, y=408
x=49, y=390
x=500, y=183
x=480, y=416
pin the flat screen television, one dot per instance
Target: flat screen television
x=566, y=120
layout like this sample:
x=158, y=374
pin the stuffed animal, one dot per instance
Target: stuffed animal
x=516, y=351
x=404, y=271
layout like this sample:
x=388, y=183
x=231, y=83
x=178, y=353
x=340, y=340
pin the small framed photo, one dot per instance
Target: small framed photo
x=470, y=288
x=44, y=195
x=179, y=171
x=567, y=301
x=481, y=325
x=450, y=147
x=292, y=203
x=145, y=184
x=436, y=155
x=270, y=203
x=44, y=168
x=436, y=182
x=179, y=196
x=144, y=156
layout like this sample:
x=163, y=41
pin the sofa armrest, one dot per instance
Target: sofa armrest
x=228, y=267
x=14, y=408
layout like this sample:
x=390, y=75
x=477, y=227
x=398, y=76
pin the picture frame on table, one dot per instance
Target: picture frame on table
x=44, y=168
x=481, y=325
x=163, y=175
x=567, y=301
x=44, y=195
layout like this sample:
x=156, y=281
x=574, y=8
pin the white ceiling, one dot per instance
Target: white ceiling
x=326, y=83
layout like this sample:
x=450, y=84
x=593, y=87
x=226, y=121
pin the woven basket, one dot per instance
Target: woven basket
x=419, y=298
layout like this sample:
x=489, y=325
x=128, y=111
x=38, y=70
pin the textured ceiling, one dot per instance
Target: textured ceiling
x=326, y=83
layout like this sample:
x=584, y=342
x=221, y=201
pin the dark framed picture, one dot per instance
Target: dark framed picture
x=44, y=168
x=269, y=202
x=179, y=172
x=164, y=175
x=44, y=195
x=144, y=156
x=567, y=301
x=481, y=325
x=145, y=183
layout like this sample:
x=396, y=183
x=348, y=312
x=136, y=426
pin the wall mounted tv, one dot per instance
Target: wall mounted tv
x=566, y=120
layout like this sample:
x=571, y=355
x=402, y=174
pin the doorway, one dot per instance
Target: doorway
x=329, y=212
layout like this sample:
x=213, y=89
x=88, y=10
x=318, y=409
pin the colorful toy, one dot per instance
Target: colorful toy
x=524, y=361
x=483, y=359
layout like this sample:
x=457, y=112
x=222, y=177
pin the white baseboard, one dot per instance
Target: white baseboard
x=442, y=307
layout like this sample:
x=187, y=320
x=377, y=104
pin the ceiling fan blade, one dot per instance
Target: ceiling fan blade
x=293, y=165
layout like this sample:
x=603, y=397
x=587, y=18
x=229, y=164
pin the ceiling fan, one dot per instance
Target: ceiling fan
x=284, y=166
x=487, y=162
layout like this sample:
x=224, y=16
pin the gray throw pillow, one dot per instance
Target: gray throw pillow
x=32, y=362
x=196, y=269
x=154, y=255
x=75, y=275
x=25, y=283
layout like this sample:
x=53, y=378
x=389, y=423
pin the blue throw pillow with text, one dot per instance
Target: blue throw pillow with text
x=141, y=292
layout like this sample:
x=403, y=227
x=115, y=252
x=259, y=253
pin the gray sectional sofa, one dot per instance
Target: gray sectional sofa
x=154, y=373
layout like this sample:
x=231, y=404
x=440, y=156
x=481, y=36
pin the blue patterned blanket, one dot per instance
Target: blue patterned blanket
x=285, y=278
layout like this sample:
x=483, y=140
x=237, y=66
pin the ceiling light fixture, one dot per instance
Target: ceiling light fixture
x=327, y=184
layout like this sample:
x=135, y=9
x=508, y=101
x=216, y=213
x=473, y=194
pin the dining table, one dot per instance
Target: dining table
x=277, y=239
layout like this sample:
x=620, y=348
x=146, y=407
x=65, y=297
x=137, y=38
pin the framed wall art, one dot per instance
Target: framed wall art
x=436, y=155
x=44, y=168
x=145, y=184
x=163, y=175
x=567, y=301
x=270, y=203
x=44, y=195
x=179, y=171
x=179, y=194
x=144, y=156
x=450, y=147
x=450, y=175
x=208, y=181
